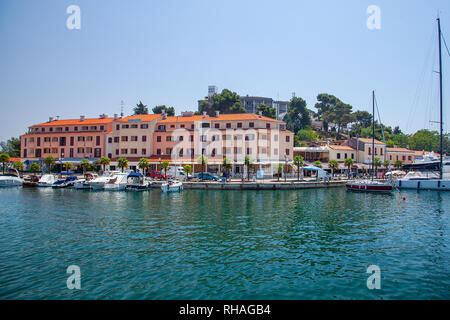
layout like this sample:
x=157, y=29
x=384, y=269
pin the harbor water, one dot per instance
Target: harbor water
x=197, y=244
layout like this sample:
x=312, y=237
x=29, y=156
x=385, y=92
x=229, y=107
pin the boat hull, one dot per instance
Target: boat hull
x=172, y=188
x=11, y=182
x=423, y=184
x=367, y=187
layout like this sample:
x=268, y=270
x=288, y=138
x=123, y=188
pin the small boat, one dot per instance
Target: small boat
x=111, y=180
x=47, y=180
x=371, y=186
x=65, y=183
x=31, y=181
x=10, y=178
x=84, y=184
x=172, y=186
x=136, y=182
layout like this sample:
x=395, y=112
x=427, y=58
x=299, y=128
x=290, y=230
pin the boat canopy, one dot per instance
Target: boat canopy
x=135, y=174
x=311, y=168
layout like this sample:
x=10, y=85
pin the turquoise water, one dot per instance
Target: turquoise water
x=305, y=244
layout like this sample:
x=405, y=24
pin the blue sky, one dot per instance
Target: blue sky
x=168, y=52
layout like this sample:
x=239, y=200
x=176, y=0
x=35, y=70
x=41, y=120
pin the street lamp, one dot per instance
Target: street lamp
x=285, y=167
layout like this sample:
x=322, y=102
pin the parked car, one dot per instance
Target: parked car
x=158, y=175
x=207, y=176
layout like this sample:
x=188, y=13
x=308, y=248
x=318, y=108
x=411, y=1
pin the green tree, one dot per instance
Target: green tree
x=67, y=165
x=249, y=164
x=140, y=108
x=398, y=164
x=333, y=165
x=85, y=164
x=11, y=147
x=279, y=171
x=49, y=161
x=386, y=163
x=267, y=111
x=165, y=165
x=34, y=167
x=298, y=162
x=305, y=135
x=324, y=103
x=317, y=164
x=203, y=160
x=297, y=116
x=348, y=162
x=170, y=111
x=104, y=161
x=187, y=169
x=340, y=114
x=143, y=164
x=4, y=159
x=206, y=106
x=425, y=140
x=122, y=163
x=18, y=165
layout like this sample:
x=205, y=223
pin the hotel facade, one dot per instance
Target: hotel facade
x=178, y=139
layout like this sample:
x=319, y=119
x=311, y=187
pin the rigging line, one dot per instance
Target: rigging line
x=445, y=43
x=379, y=118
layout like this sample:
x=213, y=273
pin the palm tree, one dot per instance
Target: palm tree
x=317, y=164
x=398, y=164
x=68, y=165
x=4, y=159
x=49, y=161
x=34, y=167
x=334, y=165
x=298, y=162
x=377, y=163
x=18, y=165
x=249, y=164
x=187, y=169
x=165, y=165
x=122, y=163
x=84, y=164
x=279, y=171
x=104, y=161
x=348, y=162
x=386, y=163
x=143, y=164
x=202, y=159
x=226, y=164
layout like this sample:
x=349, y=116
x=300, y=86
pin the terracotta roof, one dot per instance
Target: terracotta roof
x=422, y=153
x=399, y=150
x=14, y=159
x=222, y=117
x=142, y=117
x=74, y=122
x=334, y=147
x=369, y=140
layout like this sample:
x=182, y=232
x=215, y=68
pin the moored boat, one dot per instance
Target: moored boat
x=47, y=180
x=31, y=181
x=84, y=184
x=69, y=181
x=371, y=186
x=136, y=182
x=172, y=186
x=10, y=179
x=111, y=180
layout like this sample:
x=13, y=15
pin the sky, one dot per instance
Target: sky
x=168, y=52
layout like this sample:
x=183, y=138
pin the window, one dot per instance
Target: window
x=263, y=150
x=191, y=138
x=144, y=151
x=228, y=125
x=144, y=126
x=168, y=138
x=124, y=138
x=249, y=137
x=249, y=150
x=134, y=126
x=80, y=150
x=287, y=138
x=85, y=128
x=287, y=152
x=275, y=151
x=370, y=151
x=239, y=125
x=88, y=150
x=353, y=156
x=203, y=138
x=134, y=138
x=345, y=156
x=267, y=125
x=123, y=151
x=381, y=151
x=217, y=125
x=403, y=158
x=182, y=126
x=158, y=151
x=180, y=138
x=168, y=150
x=275, y=137
x=180, y=153
x=213, y=152
x=409, y=158
x=93, y=127
x=133, y=151
x=215, y=138
x=206, y=125
x=251, y=124
x=102, y=128
x=51, y=129
x=67, y=129
x=116, y=139
x=125, y=126
x=117, y=127
x=110, y=140
x=55, y=139
x=158, y=138
x=97, y=140
x=338, y=155
x=172, y=126
x=192, y=126
x=144, y=138
x=75, y=128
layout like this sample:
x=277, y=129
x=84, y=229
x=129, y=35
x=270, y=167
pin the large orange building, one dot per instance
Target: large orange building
x=157, y=137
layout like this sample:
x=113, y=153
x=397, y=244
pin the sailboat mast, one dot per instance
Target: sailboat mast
x=440, y=95
x=373, y=134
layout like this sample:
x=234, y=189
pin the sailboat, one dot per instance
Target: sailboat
x=431, y=173
x=371, y=185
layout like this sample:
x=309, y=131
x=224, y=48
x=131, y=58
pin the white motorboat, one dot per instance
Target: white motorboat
x=172, y=186
x=84, y=183
x=10, y=179
x=111, y=180
x=47, y=180
x=67, y=182
x=137, y=182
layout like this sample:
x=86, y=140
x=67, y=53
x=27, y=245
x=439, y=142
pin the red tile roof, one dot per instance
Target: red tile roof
x=222, y=117
x=341, y=147
x=369, y=140
x=399, y=150
x=74, y=122
x=142, y=117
